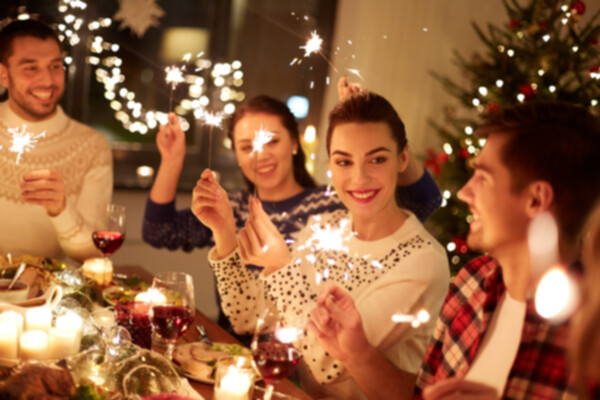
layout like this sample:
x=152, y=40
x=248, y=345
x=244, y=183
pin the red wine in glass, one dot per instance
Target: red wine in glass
x=107, y=241
x=171, y=322
x=275, y=361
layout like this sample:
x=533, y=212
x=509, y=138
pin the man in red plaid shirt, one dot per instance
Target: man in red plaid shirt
x=489, y=342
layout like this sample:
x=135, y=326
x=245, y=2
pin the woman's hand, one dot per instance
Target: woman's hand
x=171, y=141
x=337, y=324
x=345, y=88
x=211, y=206
x=260, y=242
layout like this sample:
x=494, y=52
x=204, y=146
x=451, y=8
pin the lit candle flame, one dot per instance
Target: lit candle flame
x=22, y=141
x=261, y=137
x=174, y=76
x=313, y=44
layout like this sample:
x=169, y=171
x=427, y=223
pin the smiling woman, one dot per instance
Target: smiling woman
x=386, y=258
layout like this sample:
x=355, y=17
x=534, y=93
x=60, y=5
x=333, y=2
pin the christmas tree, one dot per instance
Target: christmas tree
x=543, y=52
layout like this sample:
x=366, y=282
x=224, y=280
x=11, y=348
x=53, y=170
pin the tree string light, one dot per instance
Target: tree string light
x=224, y=78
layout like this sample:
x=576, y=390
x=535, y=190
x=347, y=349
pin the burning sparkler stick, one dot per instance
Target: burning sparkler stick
x=212, y=120
x=261, y=137
x=174, y=77
x=23, y=141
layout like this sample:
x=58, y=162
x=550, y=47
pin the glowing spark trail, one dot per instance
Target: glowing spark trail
x=313, y=44
x=261, y=137
x=174, y=77
x=22, y=141
x=212, y=120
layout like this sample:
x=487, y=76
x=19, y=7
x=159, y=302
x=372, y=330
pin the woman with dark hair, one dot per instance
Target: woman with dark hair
x=287, y=191
x=386, y=260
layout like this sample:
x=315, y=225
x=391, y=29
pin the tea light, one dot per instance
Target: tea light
x=100, y=270
x=34, y=345
x=144, y=175
x=14, y=318
x=234, y=385
x=70, y=322
x=153, y=296
x=38, y=319
x=8, y=340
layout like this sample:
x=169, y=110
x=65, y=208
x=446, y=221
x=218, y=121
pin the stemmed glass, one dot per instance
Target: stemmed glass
x=172, y=307
x=109, y=233
x=275, y=348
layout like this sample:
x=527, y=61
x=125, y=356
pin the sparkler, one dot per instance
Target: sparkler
x=313, y=44
x=261, y=137
x=415, y=320
x=212, y=120
x=23, y=141
x=174, y=77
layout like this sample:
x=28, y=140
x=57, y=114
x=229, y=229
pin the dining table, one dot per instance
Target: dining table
x=284, y=389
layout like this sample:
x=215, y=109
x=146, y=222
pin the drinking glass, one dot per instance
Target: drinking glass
x=275, y=348
x=172, y=307
x=109, y=232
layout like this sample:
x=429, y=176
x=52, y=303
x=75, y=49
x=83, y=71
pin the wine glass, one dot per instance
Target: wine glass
x=109, y=233
x=172, y=307
x=275, y=348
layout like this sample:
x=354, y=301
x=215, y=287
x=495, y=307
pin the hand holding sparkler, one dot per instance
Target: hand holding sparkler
x=337, y=324
x=211, y=206
x=260, y=242
x=345, y=88
x=44, y=188
x=171, y=142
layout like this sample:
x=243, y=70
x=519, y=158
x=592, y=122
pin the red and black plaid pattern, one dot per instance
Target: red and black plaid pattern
x=539, y=370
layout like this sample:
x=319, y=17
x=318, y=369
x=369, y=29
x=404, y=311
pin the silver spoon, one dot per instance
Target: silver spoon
x=17, y=275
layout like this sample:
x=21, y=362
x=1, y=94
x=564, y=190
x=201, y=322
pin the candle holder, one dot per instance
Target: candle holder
x=234, y=378
x=99, y=270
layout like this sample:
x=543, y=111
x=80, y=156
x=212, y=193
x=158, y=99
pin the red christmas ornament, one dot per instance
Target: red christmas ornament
x=434, y=161
x=464, y=153
x=491, y=108
x=578, y=6
x=514, y=23
x=594, y=68
x=461, y=245
x=527, y=90
x=542, y=24
x=594, y=41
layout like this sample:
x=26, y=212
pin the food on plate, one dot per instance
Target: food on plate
x=126, y=291
x=198, y=359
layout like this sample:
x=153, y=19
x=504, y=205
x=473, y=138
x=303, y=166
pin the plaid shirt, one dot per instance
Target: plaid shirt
x=540, y=368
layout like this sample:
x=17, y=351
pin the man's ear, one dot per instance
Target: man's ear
x=403, y=160
x=540, y=197
x=3, y=75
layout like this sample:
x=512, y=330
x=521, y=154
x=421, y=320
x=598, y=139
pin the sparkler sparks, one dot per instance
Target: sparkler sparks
x=174, y=76
x=327, y=238
x=213, y=119
x=22, y=141
x=415, y=320
x=313, y=44
x=261, y=137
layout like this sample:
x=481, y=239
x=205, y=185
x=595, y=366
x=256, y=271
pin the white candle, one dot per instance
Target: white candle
x=38, y=319
x=99, y=270
x=34, y=345
x=235, y=385
x=70, y=324
x=14, y=318
x=62, y=343
x=153, y=296
x=8, y=340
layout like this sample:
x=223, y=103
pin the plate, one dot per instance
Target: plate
x=126, y=291
x=197, y=360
